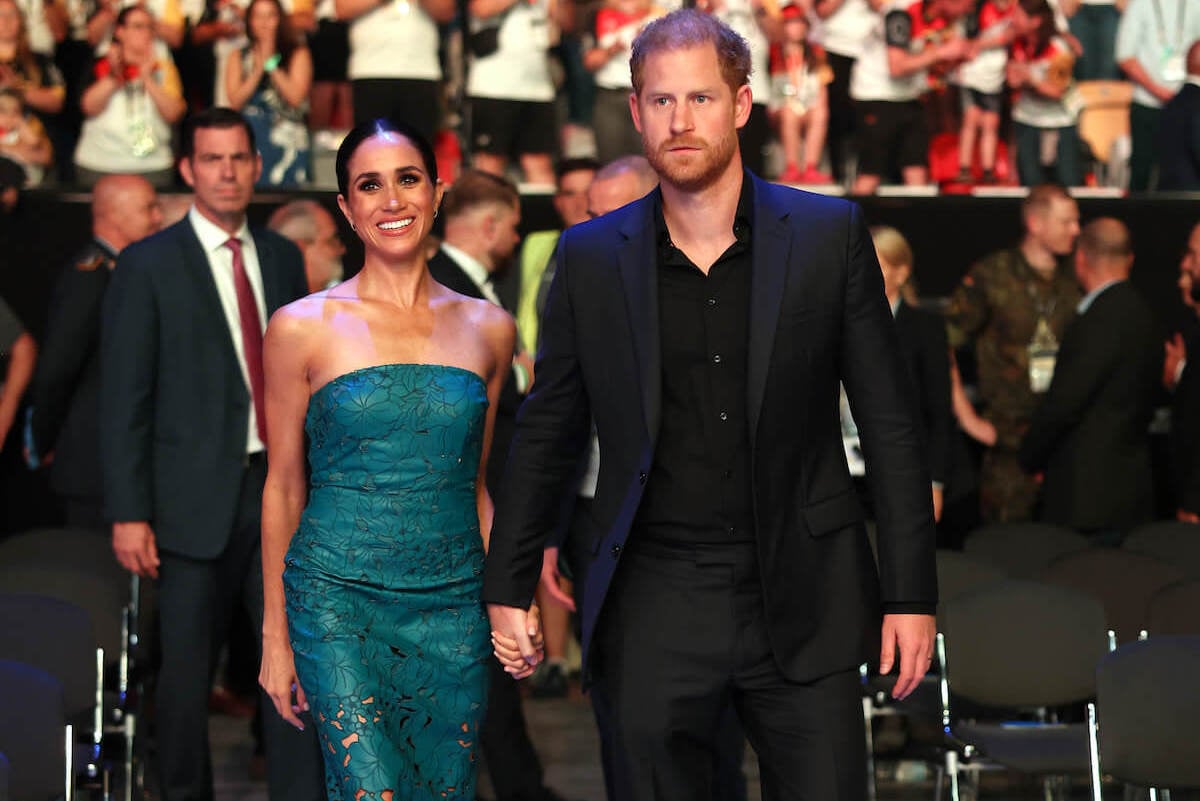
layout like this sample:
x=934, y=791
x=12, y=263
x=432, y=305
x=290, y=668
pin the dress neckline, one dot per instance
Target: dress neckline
x=393, y=365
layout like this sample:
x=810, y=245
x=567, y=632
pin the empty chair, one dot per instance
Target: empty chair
x=1021, y=646
x=1171, y=541
x=1147, y=708
x=1122, y=580
x=1021, y=549
x=1175, y=609
x=33, y=732
x=79, y=547
x=958, y=573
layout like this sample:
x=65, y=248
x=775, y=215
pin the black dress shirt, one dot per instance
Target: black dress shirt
x=699, y=488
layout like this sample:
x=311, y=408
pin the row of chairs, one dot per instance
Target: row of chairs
x=67, y=639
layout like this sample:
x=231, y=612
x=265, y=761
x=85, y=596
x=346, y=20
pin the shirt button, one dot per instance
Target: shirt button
x=727, y=474
x=641, y=478
x=724, y=416
x=616, y=550
x=717, y=359
x=731, y=531
x=712, y=301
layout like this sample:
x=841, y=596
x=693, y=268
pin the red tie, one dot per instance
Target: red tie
x=251, y=335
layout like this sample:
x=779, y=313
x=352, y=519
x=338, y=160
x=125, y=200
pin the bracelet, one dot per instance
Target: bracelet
x=271, y=63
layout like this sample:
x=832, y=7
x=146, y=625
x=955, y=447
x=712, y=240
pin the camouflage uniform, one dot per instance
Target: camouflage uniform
x=998, y=306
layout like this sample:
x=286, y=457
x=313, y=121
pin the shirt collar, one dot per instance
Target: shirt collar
x=1090, y=297
x=743, y=217
x=474, y=269
x=212, y=237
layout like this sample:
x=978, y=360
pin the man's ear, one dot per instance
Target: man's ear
x=185, y=170
x=633, y=111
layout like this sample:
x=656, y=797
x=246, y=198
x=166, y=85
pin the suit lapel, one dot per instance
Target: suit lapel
x=771, y=250
x=195, y=264
x=636, y=260
x=267, y=263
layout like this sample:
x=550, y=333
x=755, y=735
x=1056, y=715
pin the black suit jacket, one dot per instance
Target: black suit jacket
x=65, y=394
x=1179, y=141
x=926, y=352
x=1185, y=432
x=174, y=403
x=1089, y=433
x=818, y=315
x=445, y=271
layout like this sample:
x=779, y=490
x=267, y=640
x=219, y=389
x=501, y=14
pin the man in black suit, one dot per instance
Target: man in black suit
x=1181, y=375
x=706, y=329
x=183, y=441
x=1179, y=136
x=64, y=400
x=1089, y=434
x=481, y=212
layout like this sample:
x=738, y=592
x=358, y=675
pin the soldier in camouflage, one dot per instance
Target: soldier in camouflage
x=1014, y=305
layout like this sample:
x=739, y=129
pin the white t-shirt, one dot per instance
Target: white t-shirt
x=41, y=39
x=739, y=15
x=613, y=26
x=396, y=40
x=1038, y=110
x=129, y=135
x=844, y=31
x=901, y=24
x=519, y=69
x=985, y=72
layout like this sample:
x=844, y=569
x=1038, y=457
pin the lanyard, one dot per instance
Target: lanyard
x=1181, y=13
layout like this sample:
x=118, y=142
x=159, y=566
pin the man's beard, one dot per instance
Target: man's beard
x=699, y=170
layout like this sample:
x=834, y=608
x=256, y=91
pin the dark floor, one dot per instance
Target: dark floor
x=565, y=737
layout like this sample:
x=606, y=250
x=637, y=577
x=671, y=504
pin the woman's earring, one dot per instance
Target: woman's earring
x=353, y=227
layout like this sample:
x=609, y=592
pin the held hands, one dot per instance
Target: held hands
x=135, y=548
x=277, y=677
x=516, y=638
x=912, y=636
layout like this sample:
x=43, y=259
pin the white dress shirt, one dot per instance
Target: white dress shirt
x=478, y=274
x=220, y=263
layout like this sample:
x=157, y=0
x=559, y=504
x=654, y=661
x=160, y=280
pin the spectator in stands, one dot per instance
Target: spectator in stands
x=329, y=41
x=23, y=138
x=169, y=23
x=759, y=22
x=1046, y=109
x=18, y=354
x=570, y=203
x=134, y=99
x=1094, y=24
x=12, y=178
x=509, y=85
x=312, y=229
x=269, y=81
x=394, y=69
x=844, y=26
x=32, y=74
x=982, y=80
x=800, y=100
x=64, y=414
x=1151, y=43
x=216, y=30
x=1013, y=307
x=45, y=24
x=1179, y=136
x=910, y=38
x=1182, y=377
x=606, y=53
x=1089, y=435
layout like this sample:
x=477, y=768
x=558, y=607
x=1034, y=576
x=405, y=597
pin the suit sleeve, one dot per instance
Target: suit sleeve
x=1084, y=360
x=70, y=337
x=880, y=400
x=552, y=429
x=128, y=361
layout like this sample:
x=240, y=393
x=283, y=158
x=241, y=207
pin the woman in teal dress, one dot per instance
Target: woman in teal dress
x=372, y=564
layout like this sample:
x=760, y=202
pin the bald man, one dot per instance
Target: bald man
x=64, y=417
x=1179, y=136
x=1089, y=434
x=312, y=228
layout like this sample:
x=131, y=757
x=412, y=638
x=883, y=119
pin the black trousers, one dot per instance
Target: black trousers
x=511, y=760
x=197, y=598
x=682, y=635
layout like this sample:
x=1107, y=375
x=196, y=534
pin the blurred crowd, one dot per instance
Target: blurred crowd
x=856, y=93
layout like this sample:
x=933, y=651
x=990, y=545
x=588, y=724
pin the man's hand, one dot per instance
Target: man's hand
x=516, y=638
x=551, y=580
x=913, y=636
x=135, y=547
x=1175, y=353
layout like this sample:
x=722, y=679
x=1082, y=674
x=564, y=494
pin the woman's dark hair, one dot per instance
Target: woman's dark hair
x=286, y=39
x=1046, y=26
x=125, y=13
x=381, y=125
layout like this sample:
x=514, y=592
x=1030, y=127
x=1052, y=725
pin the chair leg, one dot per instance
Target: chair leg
x=952, y=772
x=871, y=788
x=130, y=732
x=69, y=753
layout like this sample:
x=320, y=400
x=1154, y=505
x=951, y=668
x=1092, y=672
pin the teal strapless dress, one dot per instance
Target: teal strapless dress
x=383, y=578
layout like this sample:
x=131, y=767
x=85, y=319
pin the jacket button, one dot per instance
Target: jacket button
x=616, y=550
x=641, y=478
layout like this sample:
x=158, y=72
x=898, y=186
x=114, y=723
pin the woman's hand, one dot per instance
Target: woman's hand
x=277, y=676
x=506, y=647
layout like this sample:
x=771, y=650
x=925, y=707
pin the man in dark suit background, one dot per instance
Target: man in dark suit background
x=481, y=212
x=706, y=328
x=1179, y=136
x=183, y=442
x=1181, y=375
x=1089, y=434
x=64, y=399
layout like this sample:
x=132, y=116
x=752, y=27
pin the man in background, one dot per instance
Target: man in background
x=312, y=229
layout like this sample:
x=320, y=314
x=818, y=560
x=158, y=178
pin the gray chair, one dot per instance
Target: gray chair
x=1171, y=541
x=959, y=573
x=1122, y=580
x=5, y=795
x=1175, y=609
x=1023, y=649
x=1147, y=711
x=1021, y=549
x=34, y=734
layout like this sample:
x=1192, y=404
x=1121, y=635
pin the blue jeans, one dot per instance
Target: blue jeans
x=1096, y=29
x=1067, y=166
